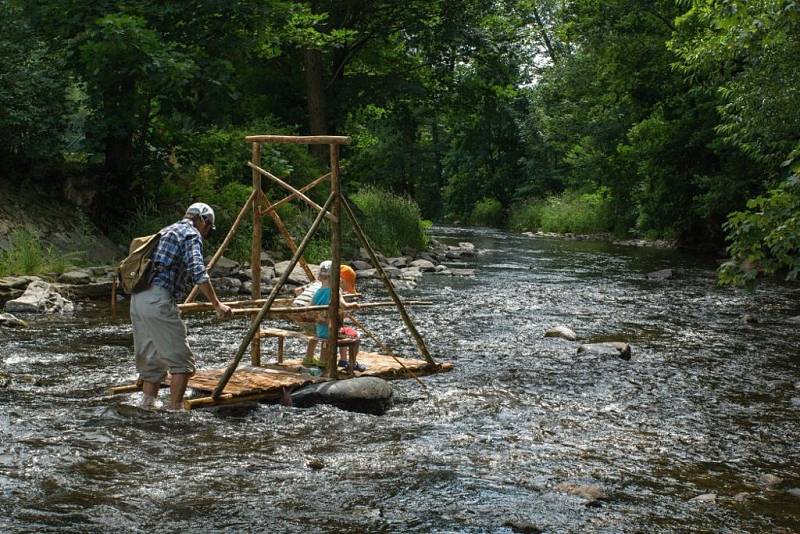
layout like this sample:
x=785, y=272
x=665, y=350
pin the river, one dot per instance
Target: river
x=709, y=403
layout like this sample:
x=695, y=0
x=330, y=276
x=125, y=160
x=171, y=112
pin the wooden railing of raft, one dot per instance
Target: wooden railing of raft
x=331, y=210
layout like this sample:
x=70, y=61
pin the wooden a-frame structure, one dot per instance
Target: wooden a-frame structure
x=260, y=205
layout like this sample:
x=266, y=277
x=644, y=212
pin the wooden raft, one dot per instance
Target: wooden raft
x=383, y=366
x=246, y=384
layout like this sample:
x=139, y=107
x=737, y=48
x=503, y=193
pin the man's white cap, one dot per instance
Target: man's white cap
x=203, y=210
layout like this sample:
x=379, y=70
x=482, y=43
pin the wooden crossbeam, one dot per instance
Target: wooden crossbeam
x=303, y=189
x=300, y=139
x=289, y=188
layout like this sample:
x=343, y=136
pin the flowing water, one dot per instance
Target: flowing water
x=709, y=403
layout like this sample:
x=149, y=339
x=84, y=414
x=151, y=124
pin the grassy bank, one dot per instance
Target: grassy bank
x=569, y=212
x=28, y=254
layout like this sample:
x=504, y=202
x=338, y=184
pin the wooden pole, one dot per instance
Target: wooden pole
x=288, y=187
x=292, y=310
x=336, y=260
x=255, y=249
x=303, y=189
x=300, y=139
x=224, y=245
x=256, y=324
x=289, y=239
x=423, y=350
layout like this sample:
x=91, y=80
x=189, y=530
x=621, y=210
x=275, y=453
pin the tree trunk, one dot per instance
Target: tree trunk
x=317, y=104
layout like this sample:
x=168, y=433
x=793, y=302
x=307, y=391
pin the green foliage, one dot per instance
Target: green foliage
x=487, y=212
x=391, y=222
x=765, y=239
x=27, y=254
x=569, y=212
x=526, y=216
x=32, y=93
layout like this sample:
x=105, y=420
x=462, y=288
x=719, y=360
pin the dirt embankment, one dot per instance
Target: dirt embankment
x=59, y=223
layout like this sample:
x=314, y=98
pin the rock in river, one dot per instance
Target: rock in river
x=590, y=492
x=663, y=274
x=6, y=319
x=364, y=394
x=39, y=297
x=561, y=331
x=611, y=348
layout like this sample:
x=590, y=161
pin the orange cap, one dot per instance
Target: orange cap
x=348, y=278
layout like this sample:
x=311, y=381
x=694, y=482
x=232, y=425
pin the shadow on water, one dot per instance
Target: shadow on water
x=708, y=404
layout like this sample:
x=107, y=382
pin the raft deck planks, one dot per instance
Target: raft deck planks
x=256, y=383
x=382, y=366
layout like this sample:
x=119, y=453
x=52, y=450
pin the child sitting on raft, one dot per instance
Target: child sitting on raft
x=322, y=297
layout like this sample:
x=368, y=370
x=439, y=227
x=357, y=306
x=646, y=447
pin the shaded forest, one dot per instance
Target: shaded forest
x=676, y=119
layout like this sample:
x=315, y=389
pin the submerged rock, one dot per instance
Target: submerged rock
x=315, y=463
x=769, y=480
x=742, y=496
x=365, y=394
x=794, y=491
x=563, y=332
x=523, y=527
x=39, y=297
x=663, y=274
x=610, y=348
x=5, y=380
x=705, y=497
x=8, y=320
x=590, y=492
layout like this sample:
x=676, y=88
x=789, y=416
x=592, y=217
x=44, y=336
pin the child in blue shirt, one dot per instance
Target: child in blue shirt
x=322, y=298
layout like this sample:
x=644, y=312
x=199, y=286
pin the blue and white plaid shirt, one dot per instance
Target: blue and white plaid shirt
x=179, y=258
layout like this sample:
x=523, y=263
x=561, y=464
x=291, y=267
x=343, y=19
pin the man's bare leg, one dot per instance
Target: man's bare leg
x=177, y=387
x=150, y=391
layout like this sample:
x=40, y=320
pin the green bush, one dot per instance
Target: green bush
x=391, y=222
x=569, y=212
x=27, y=254
x=526, y=216
x=487, y=212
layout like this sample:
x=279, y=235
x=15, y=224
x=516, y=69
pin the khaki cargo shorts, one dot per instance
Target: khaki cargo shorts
x=159, y=336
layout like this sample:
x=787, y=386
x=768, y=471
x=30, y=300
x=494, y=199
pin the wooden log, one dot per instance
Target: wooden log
x=423, y=350
x=283, y=184
x=224, y=245
x=336, y=260
x=289, y=240
x=300, y=310
x=300, y=139
x=256, y=324
x=303, y=189
x=255, y=248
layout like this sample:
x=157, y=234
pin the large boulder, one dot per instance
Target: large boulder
x=227, y=284
x=423, y=265
x=39, y=297
x=359, y=265
x=411, y=273
x=76, y=276
x=91, y=290
x=398, y=261
x=365, y=394
x=224, y=267
x=298, y=275
x=12, y=287
x=610, y=348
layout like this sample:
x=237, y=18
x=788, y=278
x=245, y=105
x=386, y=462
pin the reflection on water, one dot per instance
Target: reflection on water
x=704, y=406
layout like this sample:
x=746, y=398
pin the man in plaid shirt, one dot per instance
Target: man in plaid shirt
x=159, y=334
